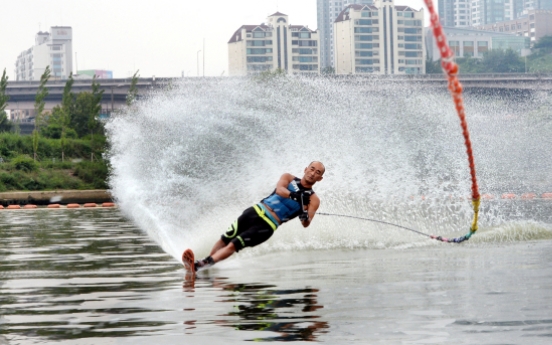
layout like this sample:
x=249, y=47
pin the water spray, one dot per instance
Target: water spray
x=450, y=68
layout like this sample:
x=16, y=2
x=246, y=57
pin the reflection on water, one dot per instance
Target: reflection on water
x=262, y=307
x=90, y=274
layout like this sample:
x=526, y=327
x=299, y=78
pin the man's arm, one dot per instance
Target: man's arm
x=311, y=209
x=282, y=185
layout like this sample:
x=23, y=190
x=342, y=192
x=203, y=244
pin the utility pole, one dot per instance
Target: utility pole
x=197, y=58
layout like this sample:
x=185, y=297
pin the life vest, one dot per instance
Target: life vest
x=285, y=208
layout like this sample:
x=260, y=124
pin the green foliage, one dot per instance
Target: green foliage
x=328, y=71
x=433, y=66
x=41, y=96
x=133, y=90
x=47, y=148
x=85, y=109
x=543, y=45
x=24, y=163
x=269, y=75
x=494, y=61
x=502, y=61
x=93, y=173
x=539, y=63
x=54, y=131
x=5, y=125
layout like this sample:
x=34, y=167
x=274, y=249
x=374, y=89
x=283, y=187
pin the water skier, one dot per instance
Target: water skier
x=293, y=197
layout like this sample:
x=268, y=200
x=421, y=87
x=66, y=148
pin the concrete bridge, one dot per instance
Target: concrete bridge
x=22, y=94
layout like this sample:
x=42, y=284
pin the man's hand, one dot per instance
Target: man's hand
x=304, y=216
x=295, y=196
x=306, y=197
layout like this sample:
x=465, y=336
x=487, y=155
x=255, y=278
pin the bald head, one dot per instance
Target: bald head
x=318, y=165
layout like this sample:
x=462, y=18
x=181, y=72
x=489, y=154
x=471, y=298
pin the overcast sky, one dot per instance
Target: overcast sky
x=159, y=37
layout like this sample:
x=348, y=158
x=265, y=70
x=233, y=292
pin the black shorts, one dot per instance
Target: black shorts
x=248, y=230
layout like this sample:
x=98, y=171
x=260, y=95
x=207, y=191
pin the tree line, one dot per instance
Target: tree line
x=78, y=115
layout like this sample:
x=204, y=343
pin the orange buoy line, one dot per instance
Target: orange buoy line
x=451, y=70
x=57, y=206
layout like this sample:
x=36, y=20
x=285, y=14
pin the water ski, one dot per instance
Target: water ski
x=188, y=260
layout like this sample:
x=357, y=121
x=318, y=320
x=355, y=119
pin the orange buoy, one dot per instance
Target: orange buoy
x=1, y=207
x=90, y=204
x=108, y=204
x=547, y=196
x=28, y=206
x=14, y=207
x=528, y=196
x=53, y=206
x=508, y=196
x=487, y=197
x=73, y=206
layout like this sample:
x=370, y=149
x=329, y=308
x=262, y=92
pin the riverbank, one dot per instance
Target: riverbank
x=57, y=196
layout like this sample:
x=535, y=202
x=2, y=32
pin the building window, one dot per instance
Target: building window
x=363, y=61
x=257, y=51
x=363, y=37
x=259, y=58
x=455, y=47
x=408, y=38
x=363, y=22
x=482, y=47
x=468, y=48
x=363, y=53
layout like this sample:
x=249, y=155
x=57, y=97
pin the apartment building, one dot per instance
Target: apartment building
x=54, y=49
x=274, y=45
x=379, y=39
x=327, y=12
x=455, y=13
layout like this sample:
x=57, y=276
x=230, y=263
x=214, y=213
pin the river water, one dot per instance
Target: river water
x=92, y=277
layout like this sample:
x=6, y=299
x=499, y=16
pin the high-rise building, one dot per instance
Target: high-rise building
x=54, y=49
x=274, y=45
x=379, y=39
x=493, y=11
x=327, y=12
x=524, y=6
x=455, y=13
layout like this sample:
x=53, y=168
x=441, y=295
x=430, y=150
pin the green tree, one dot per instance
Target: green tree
x=67, y=109
x=133, y=90
x=433, y=66
x=543, y=45
x=94, y=116
x=328, y=70
x=468, y=64
x=502, y=61
x=39, y=108
x=5, y=125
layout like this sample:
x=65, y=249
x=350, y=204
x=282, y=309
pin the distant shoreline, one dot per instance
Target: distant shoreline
x=56, y=196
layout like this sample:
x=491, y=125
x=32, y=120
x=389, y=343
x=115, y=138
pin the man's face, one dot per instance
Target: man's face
x=314, y=172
